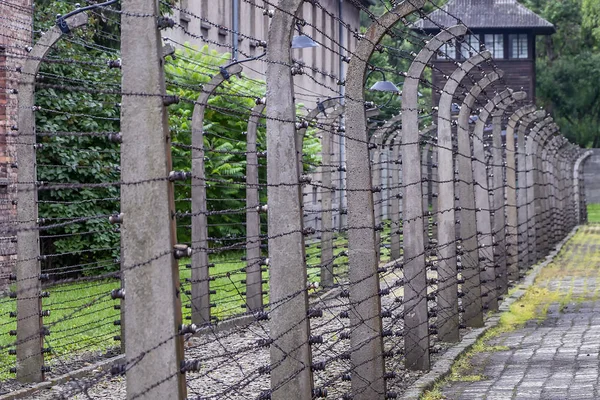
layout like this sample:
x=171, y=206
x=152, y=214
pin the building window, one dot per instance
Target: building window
x=518, y=45
x=447, y=51
x=495, y=44
x=470, y=46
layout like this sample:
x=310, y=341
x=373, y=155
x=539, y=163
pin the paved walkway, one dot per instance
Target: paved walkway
x=555, y=355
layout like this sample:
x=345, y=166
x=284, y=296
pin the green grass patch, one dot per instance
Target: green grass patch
x=593, y=212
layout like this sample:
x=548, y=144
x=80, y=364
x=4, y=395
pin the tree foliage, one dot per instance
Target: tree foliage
x=568, y=67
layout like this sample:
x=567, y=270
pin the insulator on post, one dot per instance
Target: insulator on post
x=317, y=339
x=165, y=22
x=181, y=251
x=315, y=313
x=319, y=392
x=114, y=63
x=117, y=294
x=169, y=100
x=115, y=137
x=189, y=366
x=44, y=313
x=318, y=366
x=179, y=176
x=118, y=369
x=116, y=218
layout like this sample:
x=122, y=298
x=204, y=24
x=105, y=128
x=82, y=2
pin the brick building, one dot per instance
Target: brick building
x=15, y=21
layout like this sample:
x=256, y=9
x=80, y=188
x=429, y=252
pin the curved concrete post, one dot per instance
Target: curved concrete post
x=326, y=231
x=290, y=330
x=416, y=327
x=561, y=204
x=366, y=341
x=254, y=297
x=376, y=144
x=395, y=194
x=491, y=288
x=447, y=306
x=472, y=301
x=523, y=186
x=551, y=168
x=512, y=222
x=533, y=189
x=200, y=274
x=30, y=359
x=498, y=195
x=572, y=218
x=427, y=135
x=577, y=177
x=540, y=189
x=327, y=259
x=546, y=188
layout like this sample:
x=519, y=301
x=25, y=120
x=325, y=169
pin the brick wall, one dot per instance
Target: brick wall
x=16, y=24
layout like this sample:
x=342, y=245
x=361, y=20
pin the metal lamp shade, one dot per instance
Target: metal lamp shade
x=303, y=42
x=385, y=86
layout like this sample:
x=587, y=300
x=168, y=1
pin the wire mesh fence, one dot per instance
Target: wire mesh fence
x=222, y=210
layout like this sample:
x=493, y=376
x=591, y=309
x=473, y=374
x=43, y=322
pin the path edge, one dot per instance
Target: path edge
x=442, y=367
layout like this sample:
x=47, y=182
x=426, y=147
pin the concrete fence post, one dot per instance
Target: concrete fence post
x=533, y=189
x=512, y=221
x=448, y=317
x=149, y=268
x=416, y=326
x=498, y=195
x=473, y=315
x=577, y=189
x=200, y=274
x=254, y=295
x=290, y=330
x=30, y=359
x=377, y=146
x=523, y=187
x=326, y=231
x=366, y=341
x=491, y=289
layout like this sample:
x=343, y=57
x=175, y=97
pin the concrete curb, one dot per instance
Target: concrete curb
x=442, y=367
x=59, y=380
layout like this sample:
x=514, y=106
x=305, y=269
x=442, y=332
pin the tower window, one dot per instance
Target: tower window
x=495, y=44
x=518, y=45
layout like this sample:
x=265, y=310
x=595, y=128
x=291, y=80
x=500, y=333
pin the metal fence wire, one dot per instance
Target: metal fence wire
x=265, y=228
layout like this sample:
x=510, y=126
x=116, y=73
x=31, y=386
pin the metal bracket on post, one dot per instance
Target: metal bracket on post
x=30, y=359
x=200, y=275
x=416, y=326
x=149, y=266
x=446, y=239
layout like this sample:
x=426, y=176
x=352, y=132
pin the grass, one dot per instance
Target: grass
x=570, y=264
x=82, y=313
x=593, y=212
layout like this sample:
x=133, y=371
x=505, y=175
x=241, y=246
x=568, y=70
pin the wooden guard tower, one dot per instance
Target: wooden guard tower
x=508, y=30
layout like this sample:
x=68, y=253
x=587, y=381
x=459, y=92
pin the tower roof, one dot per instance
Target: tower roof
x=486, y=14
